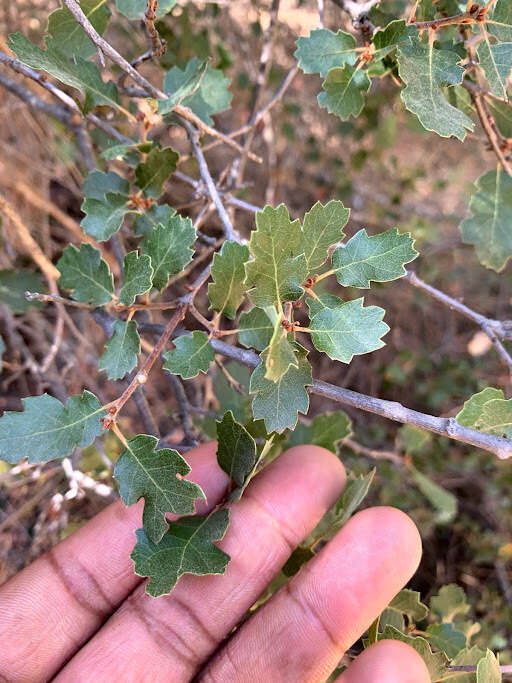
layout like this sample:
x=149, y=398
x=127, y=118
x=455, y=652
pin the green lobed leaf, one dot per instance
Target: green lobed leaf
x=236, y=449
x=496, y=62
x=14, y=284
x=86, y=273
x=148, y=221
x=469, y=656
x=488, y=669
x=349, y=330
x=387, y=38
x=211, y=97
x=191, y=355
x=186, y=89
x=227, y=290
x=425, y=70
x=323, y=227
x=278, y=403
x=255, y=329
x=408, y=602
x=47, y=430
x=379, y=258
x=323, y=50
x=323, y=301
x=70, y=36
x=355, y=492
x=501, y=24
x=326, y=430
x=136, y=9
x=449, y=603
x=186, y=548
x=137, y=279
x=446, y=638
x=489, y=228
x=85, y=76
x=496, y=417
x=274, y=275
x=121, y=350
x=156, y=476
x=169, y=246
x=343, y=91
x=105, y=204
x=436, y=662
x=473, y=407
x=151, y=174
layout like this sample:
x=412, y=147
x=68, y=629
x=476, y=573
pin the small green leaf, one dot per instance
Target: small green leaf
x=169, y=246
x=279, y=355
x=136, y=9
x=323, y=227
x=227, y=290
x=236, y=449
x=496, y=62
x=447, y=639
x=323, y=301
x=157, y=214
x=47, y=430
x=156, y=476
x=473, y=407
x=444, y=501
x=105, y=204
x=14, y=284
x=323, y=50
x=70, y=36
x=489, y=227
x=191, y=355
x=449, y=603
x=186, y=89
x=255, y=329
x=380, y=258
x=386, y=39
x=273, y=275
x=86, y=273
x=470, y=656
x=343, y=91
x=326, y=430
x=186, y=548
x=436, y=662
x=278, y=403
x=85, y=76
x=349, y=330
x=408, y=602
x=424, y=70
x=413, y=439
x=211, y=97
x=121, y=350
x=151, y=174
x=138, y=276
x=496, y=417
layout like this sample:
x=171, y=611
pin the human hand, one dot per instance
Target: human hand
x=79, y=613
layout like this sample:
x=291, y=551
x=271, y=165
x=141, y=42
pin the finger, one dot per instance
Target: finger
x=302, y=632
x=388, y=661
x=53, y=606
x=169, y=638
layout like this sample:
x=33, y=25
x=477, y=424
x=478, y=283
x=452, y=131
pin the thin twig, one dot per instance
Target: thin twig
x=488, y=125
x=184, y=410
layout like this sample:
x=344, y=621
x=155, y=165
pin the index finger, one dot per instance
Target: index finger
x=70, y=591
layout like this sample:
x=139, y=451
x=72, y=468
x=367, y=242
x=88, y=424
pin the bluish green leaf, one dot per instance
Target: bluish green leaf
x=501, y=23
x=121, y=350
x=379, y=258
x=70, y=36
x=323, y=227
x=187, y=88
x=151, y=174
x=105, y=204
x=255, y=329
x=14, y=284
x=473, y=407
x=169, y=246
x=323, y=50
x=138, y=276
x=156, y=476
x=236, y=449
x=449, y=603
x=446, y=638
x=349, y=330
x=186, y=548
x=343, y=91
x=191, y=355
x=47, y=430
x=496, y=62
x=490, y=227
x=86, y=273
x=227, y=290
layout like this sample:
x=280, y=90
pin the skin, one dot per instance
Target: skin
x=80, y=614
